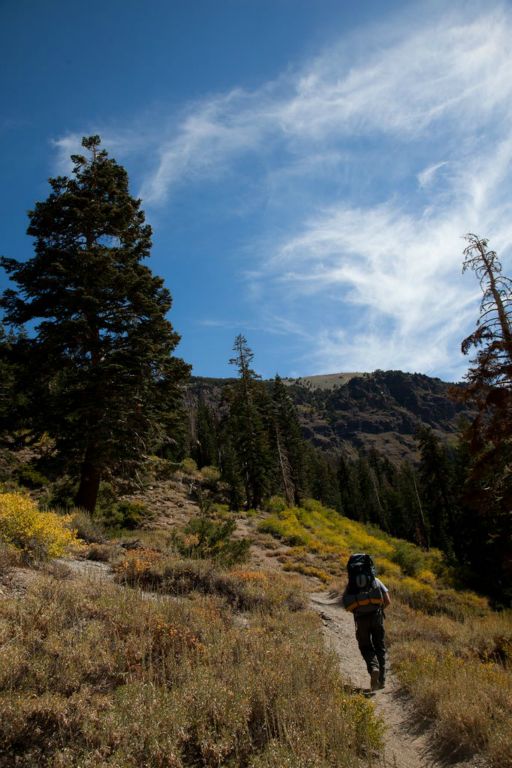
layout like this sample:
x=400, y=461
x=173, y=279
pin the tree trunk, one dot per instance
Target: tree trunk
x=284, y=466
x=90, y=476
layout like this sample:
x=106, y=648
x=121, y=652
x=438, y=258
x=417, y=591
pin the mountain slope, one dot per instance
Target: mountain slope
x=348, y=411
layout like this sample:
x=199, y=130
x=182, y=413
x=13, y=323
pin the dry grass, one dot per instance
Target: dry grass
x=459, y=673
x=95, y=675
x=453, y=655
x=9, y=557
x=242, y=589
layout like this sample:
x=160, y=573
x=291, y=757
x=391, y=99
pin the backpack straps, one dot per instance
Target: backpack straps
x=364, y=602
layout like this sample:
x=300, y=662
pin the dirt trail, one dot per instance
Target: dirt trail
x=407, y=743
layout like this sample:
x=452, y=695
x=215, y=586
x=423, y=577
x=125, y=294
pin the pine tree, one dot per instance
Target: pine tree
x=287, y=442
x=102, y=350
x=321, y=478
x=249, y=409
x=206, y=449
x=349, y=488
x=12, y=351
x=489, y=484
x=436, y=489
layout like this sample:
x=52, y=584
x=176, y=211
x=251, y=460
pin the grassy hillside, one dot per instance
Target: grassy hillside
x=452, y=653
x=223, y=666
x=207, y=667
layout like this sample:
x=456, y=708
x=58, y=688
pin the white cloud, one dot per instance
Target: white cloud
x=456, y=71
x=401, y=277
x=427, y=176
x=407, y=129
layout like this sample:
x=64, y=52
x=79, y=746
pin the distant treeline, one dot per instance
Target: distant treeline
x=255, y=440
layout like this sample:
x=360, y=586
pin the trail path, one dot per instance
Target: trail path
x=407, y=743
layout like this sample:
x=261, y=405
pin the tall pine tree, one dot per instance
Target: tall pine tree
x=287, y=442
x=247, y=427
x=489, y=485
x=102, y=355
x=436, y=484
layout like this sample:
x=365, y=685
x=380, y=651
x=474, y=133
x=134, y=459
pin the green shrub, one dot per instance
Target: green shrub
x=409, y=557
x=210, y=476
x=124, y=514
x=59, y=494
x=275, y=504
x=30, y=477
x=206, y=538
x=188, y=466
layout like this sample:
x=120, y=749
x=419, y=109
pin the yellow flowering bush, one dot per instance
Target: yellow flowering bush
x=40, y=535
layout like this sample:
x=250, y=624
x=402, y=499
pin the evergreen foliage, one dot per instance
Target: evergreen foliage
x=14, y=383
x=489, y=485
x=107, y=385
x=247, y=428
x=287, y=443
x=206, y=446
x=437, y=489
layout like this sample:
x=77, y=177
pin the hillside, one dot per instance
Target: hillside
x=381, y=410
x=210, y=663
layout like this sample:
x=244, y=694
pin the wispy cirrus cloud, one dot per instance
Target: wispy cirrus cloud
x=447, y=74
x=374, y=157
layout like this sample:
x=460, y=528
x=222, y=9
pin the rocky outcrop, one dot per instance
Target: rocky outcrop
x=381, y=410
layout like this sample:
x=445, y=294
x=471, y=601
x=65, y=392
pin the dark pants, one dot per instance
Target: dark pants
x=370, y=638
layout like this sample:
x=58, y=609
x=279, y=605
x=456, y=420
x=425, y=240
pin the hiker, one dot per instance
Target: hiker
x=366, y=597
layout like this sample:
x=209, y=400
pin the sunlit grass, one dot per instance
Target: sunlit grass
x=99, y=675
x=451, y=652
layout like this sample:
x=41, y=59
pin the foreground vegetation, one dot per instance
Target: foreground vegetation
x=96, y=675
x=222, y=668
x=451, y=652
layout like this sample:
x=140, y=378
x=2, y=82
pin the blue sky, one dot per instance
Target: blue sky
x=308, y=166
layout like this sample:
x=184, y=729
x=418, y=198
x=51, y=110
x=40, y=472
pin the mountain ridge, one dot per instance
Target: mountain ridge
x=351, y=411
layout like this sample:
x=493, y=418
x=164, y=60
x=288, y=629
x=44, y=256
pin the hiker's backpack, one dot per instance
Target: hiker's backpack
x=362, y=595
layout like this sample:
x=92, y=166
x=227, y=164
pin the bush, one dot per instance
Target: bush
x=101, y=553
x=30, y=477
x=409, y=558
x=124, y=514
x=188, y=466
x=275, y=504
x=59, y=494
x=38, y=535
x=206, y=538
x=88, y=530
x=9, y=557
x=210, y=476
x=243, y=590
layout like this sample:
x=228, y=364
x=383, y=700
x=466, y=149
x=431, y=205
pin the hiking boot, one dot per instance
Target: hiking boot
x=382, y=683
x=374, y=679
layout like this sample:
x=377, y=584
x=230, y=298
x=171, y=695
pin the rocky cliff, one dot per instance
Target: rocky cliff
x=381, y=410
